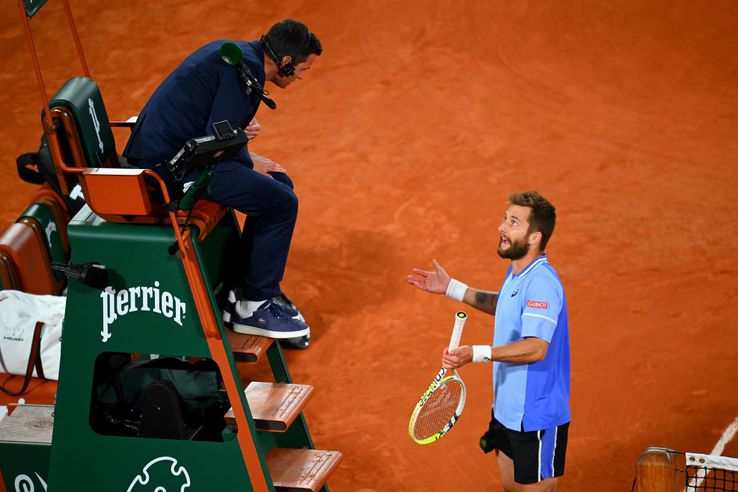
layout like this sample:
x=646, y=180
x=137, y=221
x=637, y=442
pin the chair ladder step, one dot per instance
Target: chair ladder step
x=274, y=406
x=248, y=348
x=298, y=470
x=30, y=424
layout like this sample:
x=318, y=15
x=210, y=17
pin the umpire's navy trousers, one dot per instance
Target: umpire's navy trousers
x=271, y=207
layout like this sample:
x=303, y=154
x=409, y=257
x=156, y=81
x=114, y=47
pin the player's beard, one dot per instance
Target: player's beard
x=517, y=249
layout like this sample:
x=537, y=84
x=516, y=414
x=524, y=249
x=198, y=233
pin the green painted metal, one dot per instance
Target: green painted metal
x=25, y=466
x=147, y=308
x=196, y=189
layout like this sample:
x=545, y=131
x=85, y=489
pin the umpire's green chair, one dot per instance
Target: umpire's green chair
x=159, y=302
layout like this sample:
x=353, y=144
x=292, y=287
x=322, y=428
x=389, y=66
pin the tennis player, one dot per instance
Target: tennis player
x=530, y=416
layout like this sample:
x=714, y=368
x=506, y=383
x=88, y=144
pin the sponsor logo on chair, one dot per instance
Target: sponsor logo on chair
x=116, y=304
x=50, y=229
x=96, y=123
x=24, y=483
x=161, y=474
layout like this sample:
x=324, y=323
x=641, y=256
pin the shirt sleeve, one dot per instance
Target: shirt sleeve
x=541, y=310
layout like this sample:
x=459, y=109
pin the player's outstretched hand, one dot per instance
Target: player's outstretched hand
x=435, y=282
x=458, y=357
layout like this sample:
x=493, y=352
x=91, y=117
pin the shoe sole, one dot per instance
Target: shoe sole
x=290, y=343
x=254, y=330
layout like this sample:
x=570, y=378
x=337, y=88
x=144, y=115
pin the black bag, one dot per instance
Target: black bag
x=38, y=168
x=167, y=398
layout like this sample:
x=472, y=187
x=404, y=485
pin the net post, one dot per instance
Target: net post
x=656, y=471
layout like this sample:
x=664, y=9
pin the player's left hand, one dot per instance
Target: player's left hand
x=458, y=357
x=435, y=282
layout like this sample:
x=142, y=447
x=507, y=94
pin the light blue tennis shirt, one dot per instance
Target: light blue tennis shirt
x=533, y=396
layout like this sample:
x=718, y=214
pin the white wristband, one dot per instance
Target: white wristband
x=456, y=290
x=481, y=353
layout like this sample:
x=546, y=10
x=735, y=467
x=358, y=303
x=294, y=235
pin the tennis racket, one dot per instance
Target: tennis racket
x=440, y=406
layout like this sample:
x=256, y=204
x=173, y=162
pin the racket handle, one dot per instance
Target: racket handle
x=459, y=321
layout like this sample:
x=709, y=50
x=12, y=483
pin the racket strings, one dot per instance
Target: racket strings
x=439, y=409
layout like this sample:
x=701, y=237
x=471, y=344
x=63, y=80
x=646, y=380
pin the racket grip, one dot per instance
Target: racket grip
x=459, y=321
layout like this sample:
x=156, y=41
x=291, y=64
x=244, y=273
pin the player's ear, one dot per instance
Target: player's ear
x=535, y=238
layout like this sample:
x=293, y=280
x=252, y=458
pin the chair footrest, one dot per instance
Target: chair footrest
x=296, y=470
x=274, y=406
x=30, y=424
x=248, y=348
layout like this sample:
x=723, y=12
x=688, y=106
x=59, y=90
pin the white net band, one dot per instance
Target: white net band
x=710, y=461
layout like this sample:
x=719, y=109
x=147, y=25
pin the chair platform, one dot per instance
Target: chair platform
x=274, y=406
x=248, y=348
x=298, y=470
x=29, y=424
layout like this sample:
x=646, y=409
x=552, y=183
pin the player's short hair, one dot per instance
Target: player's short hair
x=542, y=214
x=290, y=37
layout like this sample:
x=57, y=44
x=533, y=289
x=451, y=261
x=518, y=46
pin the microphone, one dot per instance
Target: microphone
x=268, y=101
x=232, y=54
x=90, y=274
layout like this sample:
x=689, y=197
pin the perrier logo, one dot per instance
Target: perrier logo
x=117, y=304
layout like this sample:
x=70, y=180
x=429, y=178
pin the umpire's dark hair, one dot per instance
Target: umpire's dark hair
x=542, y=214
x=290, y=37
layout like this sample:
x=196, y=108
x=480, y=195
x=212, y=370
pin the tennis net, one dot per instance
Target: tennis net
x=704, y=472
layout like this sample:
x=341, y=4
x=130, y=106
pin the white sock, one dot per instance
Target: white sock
x=247, y=308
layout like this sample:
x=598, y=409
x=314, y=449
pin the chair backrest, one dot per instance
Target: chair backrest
x=25, y=246
x=44, y=219
x=117, y=195
x=78, y=107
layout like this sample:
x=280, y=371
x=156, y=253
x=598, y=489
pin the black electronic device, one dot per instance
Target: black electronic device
x=286, y=70
x=223, y=130
x=205, y=151
x=91, y=274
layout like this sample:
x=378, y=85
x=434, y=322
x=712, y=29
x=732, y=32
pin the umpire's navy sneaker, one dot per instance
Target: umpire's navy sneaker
x=269, y=320
x=281, y=300
x=289, y=306
x=297, y=343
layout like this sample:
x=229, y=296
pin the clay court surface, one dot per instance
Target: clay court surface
x=404, y=140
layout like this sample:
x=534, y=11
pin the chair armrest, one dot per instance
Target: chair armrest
x=125, y=124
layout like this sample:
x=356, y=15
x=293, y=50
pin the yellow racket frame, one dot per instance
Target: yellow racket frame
x=441, y=378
